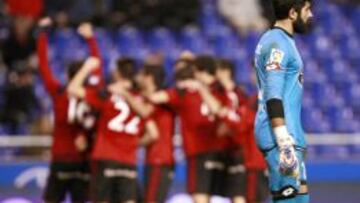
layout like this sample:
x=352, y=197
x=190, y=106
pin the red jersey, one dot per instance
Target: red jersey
x=32, y=8
x=119, y=128
x=244, y=129
x=161, y=151
x=72, y=116
x=198, y=128
x=238, y=119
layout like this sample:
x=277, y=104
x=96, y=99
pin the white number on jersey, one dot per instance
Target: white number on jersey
x=118, y=124
x=78, y=111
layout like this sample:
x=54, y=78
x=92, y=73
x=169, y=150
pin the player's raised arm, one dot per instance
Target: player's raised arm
x=76, y=85
x=151, y=133
x=86, y=30
x=51, y=84
x=141, y=107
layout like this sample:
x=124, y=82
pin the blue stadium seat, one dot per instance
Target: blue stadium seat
x=129, y=40
x=355, y=18
x=210, y=20
x=313, y=73
x=66, y=41
x=161, y=39
x=352, y=95
x=322, y=92
x=192, y=39
x=226, y=44
x=314, y=120
x=243, y=71
x=341, y=119
x=251, y=41
x=339, y=71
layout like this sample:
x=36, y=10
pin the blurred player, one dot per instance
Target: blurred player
x=159, y=154
x=278, y=129
x=69, y=169
x=118, y=133
x=236, y=172
x=203, y=148
x=244, y=151
x=230, y=126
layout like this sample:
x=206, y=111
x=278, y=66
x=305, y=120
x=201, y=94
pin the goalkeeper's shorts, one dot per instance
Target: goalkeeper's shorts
x=280, y=185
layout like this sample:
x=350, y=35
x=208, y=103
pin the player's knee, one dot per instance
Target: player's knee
x=129, y=201
x=286, y=194
x=303, y=189
x=201, y=198
x=239, y=199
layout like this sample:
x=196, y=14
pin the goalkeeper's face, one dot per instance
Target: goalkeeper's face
x=304, y=20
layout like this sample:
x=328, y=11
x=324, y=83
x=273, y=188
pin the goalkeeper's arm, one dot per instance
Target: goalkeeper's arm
x=285, y=142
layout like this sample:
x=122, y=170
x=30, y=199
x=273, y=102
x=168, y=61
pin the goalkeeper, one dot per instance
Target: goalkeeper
x=278, y=129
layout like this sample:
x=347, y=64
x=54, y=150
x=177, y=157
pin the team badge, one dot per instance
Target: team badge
x=276, y=57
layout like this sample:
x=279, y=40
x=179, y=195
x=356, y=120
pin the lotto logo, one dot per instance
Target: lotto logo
x=288, y=192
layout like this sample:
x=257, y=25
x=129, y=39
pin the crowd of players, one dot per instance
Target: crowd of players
x=99, y=127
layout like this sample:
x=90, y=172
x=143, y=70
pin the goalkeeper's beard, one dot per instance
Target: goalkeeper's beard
x=302, y=27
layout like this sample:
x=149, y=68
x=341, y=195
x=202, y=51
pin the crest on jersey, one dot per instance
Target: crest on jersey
x=276, y=57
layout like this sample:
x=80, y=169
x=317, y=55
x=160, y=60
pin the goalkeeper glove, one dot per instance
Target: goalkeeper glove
x=288, y=162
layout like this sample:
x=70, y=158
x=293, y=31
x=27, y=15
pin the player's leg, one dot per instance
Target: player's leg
x=303, y=195
x=101, y=184
x=79, y=187
x=132, y=201
x=235, y=184
x=199, y=178
x=283, y=188
x=158, y=179
x=55, y=189
x=126, y=184
x=257, y=186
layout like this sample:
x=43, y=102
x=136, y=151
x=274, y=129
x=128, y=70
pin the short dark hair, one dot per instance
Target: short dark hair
x=157, y=72
x=73, y=68
x=205, y=63
x=282, y=8
x=187, y=72
x=183, y=62
x=226, y=64
x=126, y=67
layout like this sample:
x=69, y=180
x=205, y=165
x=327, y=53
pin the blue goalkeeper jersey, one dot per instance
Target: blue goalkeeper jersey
x=279, y=70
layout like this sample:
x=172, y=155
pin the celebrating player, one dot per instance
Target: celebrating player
x=243, y=151
x=203, y=148
x=117, y=136
x=278, y=129
x=159, y=154
x=69, y=169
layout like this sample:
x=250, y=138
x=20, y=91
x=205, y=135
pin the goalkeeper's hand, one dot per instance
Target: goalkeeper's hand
x=288, y=162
